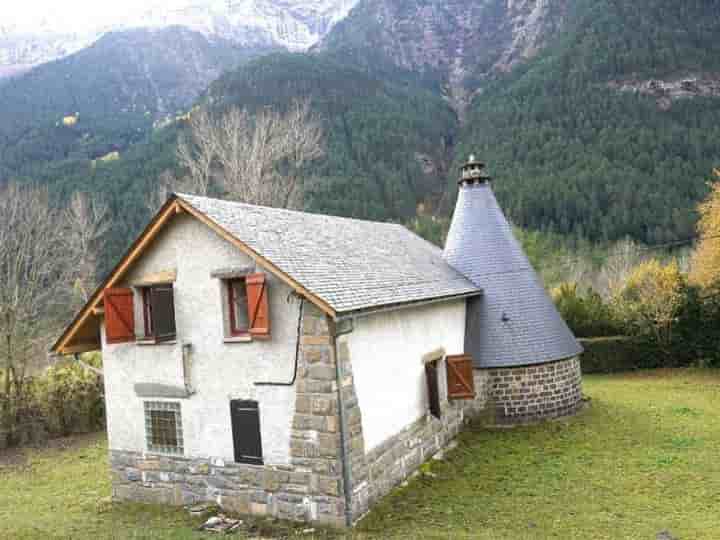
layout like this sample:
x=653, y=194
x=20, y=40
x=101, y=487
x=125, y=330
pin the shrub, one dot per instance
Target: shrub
x=66, y=398
x=650, y=300
x=619, y=353
x=587, y=314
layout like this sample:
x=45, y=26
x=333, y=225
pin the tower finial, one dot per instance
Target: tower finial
x=473, y=171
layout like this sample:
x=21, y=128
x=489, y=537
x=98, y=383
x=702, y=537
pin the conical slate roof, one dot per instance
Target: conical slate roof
x=514, y=323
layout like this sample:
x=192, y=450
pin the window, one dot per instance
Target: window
x=238, y=307
x=247, y=312
x=163, y=427
x=158, y=313
x=245, y=418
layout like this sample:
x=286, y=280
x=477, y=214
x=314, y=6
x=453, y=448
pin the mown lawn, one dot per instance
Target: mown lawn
x=642, y=458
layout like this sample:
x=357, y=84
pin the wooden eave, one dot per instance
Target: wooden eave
x=92, y=310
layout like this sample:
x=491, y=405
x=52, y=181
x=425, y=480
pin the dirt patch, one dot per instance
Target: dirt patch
x=17, y=458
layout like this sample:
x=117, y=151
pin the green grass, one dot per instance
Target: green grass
x=644, y=457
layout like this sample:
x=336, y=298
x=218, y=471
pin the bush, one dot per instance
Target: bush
x=650, y=301
x=586, y=315
x=620, y=353
x=67, y=398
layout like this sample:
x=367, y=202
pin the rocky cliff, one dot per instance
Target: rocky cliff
x=454, y=43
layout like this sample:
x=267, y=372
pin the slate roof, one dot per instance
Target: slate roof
x=351, y=264
x=514, y=322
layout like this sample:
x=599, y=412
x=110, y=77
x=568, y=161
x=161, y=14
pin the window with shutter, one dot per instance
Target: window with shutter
x=460, y=381
x=257, y=302
x=245, y=418
x=119, y=315
x=162, y=312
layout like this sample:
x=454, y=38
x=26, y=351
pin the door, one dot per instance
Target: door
x=433, y=390
x=245, y=417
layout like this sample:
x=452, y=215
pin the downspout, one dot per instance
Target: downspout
x=347, y=479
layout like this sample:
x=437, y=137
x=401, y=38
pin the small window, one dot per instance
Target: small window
x=246, y=307
x=158, y=313
x=238, y=307
x=163, y=427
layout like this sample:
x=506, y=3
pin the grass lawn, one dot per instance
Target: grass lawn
x=644, y=457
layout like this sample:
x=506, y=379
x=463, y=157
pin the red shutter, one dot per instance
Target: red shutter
x=258, y=311
x=460, y=382
x=119, y=316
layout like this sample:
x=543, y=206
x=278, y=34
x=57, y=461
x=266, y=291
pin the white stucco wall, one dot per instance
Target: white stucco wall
x=220, y=371
x=386, y=352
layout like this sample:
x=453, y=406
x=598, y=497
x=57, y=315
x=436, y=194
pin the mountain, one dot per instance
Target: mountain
x=107, y=95
x=613, y=129
x=291, y=24
x=599, y=118
x=252, y=24
x=452, y=46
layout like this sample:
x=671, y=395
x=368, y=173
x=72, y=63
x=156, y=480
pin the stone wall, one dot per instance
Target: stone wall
x=310, y=488
x=530, y=394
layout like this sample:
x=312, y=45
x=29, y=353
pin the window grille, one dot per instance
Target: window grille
x=163, y=427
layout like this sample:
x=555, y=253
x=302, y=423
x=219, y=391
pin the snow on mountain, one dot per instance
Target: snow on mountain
x=294, y=24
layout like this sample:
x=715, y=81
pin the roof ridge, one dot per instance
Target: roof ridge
x=185, y=196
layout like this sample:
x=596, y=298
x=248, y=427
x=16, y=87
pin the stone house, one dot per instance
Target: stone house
x=299, y=365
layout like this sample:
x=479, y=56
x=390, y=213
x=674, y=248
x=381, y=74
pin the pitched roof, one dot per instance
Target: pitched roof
x=515, y=322
x=350, y=264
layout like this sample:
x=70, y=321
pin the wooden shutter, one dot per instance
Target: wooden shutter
x=163, y=312
x=245, y=418
x=433, y=391
x=258, y=310
x=119, y=316
x=460, y=382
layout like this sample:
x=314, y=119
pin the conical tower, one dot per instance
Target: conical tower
x=514, y=323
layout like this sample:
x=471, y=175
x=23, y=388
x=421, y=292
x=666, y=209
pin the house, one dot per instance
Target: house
x=298, y=365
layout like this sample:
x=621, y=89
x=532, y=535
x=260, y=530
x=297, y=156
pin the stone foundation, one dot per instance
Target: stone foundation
x=531, y=394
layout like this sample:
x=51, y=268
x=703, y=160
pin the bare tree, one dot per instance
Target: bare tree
x=196, y=153
x=35, y=269
x=88, y=220
x=258, y=158
x=624, y=256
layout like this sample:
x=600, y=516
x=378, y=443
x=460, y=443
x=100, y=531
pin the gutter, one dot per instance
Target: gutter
x=347, y=478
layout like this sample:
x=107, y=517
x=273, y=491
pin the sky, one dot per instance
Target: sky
x=77, y=15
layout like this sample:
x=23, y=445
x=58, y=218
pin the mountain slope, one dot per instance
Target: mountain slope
x=452, y=46
x=387, y=144
x=106, y=96
x=575, y=154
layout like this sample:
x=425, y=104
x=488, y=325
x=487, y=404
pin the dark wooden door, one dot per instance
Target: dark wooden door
x=245, y=416
x=433, y=390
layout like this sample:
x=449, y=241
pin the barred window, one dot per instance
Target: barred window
x=163, y=427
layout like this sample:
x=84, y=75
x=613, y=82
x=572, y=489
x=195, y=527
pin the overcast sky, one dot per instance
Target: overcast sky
x=77, y=15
